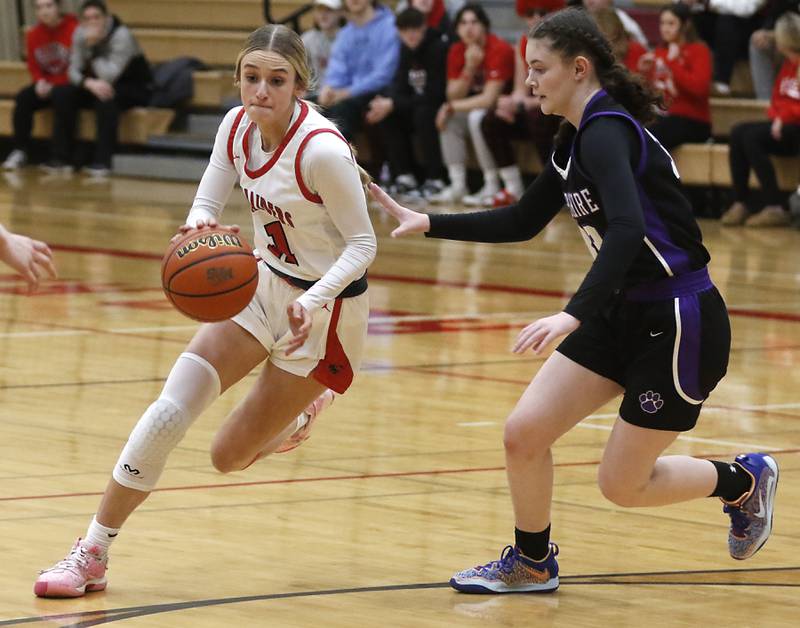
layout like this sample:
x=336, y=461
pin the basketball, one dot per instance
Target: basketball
x=209, y=274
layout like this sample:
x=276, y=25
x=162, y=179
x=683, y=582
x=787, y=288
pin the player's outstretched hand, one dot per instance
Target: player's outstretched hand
x=202, y=223
x=541, y=333
x=30, y=258
x=410, y=221
x=300, y=326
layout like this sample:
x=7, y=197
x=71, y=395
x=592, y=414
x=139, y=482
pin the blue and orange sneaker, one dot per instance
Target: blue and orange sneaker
x=513, y=573
x=751, y=514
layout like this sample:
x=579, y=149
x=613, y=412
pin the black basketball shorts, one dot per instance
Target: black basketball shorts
x=668, y=355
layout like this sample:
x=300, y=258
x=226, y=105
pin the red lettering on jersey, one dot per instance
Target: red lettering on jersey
x=280, y=245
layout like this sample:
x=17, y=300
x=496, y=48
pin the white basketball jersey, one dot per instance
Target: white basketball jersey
x=293, y=231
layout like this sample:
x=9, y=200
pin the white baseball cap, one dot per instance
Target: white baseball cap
x=334, y=5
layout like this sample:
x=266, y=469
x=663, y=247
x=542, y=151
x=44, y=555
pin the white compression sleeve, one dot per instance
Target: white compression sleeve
x=192, y=385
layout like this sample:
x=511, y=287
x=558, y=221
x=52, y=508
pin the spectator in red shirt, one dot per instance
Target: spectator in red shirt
x=48, y=45
x=751, y=143
x=517, y=115
x=480, y=67
x=681, y=68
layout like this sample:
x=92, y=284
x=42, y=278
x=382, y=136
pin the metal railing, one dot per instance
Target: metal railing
x=292, y=20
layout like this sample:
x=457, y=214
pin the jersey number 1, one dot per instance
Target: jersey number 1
x=280, y=245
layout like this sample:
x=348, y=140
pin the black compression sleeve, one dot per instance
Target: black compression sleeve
x=515, y=223
x=607, y=150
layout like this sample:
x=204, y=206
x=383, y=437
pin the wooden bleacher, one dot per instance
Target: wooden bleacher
x=211, y=87
x=135, y=127
x=209, y=30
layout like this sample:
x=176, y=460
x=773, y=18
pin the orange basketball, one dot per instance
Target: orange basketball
x=209, y=274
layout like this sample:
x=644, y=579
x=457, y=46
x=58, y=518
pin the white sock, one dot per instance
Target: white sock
x=99, y=535
x=458, y=176
x=512, y=179
x=491, y=180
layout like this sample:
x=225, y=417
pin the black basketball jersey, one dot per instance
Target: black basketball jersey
x=672, y=245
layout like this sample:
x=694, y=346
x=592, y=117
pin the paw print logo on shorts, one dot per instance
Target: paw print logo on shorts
x=651, y=402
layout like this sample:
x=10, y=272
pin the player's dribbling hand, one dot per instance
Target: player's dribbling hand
x=410, y=221
x=541, y=333
x=202, y=223
x=300, y=326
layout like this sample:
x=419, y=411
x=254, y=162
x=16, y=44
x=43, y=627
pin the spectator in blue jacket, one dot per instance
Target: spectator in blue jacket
x=362, y=63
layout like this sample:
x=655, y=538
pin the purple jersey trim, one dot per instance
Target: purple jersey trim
x=688, y=309
x=681, y=286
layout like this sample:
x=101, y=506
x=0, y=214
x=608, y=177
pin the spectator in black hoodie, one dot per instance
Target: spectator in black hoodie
x=108, y=73
x=408, y=111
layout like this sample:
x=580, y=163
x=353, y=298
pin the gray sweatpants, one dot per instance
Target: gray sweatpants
x=454, y=139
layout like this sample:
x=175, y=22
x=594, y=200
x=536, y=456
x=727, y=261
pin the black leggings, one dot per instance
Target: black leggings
x=401, y=128
x=751, y=144
x=27, y=102
x=530, y=124
x=68, y=100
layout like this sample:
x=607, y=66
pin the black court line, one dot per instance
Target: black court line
x=95, y=618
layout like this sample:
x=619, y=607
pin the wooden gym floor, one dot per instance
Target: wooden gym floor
x=402, y=482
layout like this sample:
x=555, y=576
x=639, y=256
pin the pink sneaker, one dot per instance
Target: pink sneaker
x=84, y=570
x=301, y=435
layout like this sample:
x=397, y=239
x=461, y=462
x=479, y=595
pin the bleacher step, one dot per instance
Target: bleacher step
x=182, y=142
x=204, y=124
x=154, y=166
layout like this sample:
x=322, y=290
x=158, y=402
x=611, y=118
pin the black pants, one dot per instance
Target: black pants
x=27, y=103
x=672, y=131
x=751, y=144
x=68, y=100
x=401, y=129
x=348, y=114
x=531, y=124
x=728, y=36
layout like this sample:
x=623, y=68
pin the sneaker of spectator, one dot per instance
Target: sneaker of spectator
x=56, y=166
x=15, y=160
x=450, y=194
x=735, y=215
x=96, y=170
x=770, y=216
x=721, y=89
x=503, y=198
x=483, y=197
x=405, y=187
x=431, y=187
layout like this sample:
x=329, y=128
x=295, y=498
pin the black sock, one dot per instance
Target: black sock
x=535, y=545
x=732, y=481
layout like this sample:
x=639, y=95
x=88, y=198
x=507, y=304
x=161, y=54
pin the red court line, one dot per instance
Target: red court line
x=333, y=478
x=484, y=287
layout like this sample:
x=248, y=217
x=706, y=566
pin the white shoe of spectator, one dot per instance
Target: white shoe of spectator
x=483, y=197
x=449, y=194
x=99, y=171
x=16, y=159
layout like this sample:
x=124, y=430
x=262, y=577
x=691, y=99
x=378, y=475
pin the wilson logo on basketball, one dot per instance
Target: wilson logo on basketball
x=212, y=241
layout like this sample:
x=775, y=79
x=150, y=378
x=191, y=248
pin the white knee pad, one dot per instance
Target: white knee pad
x=191, y=387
